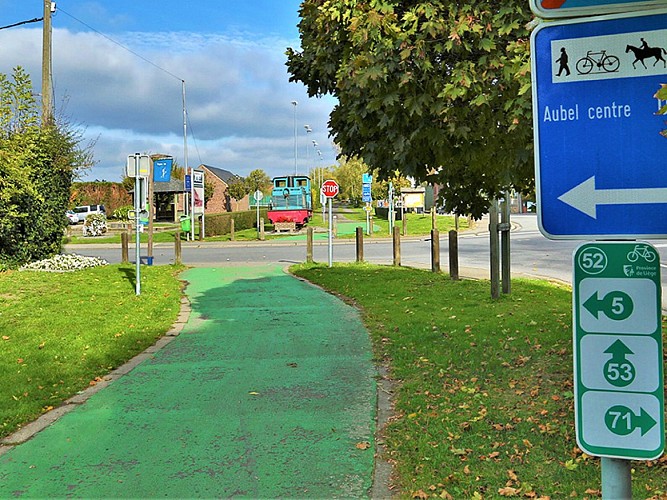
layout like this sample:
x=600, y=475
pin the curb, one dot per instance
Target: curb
x=31, y=429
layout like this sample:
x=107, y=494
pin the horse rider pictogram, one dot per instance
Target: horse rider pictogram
x=644, y=51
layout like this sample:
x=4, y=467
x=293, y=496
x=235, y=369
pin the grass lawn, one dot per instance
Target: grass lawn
x=60, y=331
x=484, y=405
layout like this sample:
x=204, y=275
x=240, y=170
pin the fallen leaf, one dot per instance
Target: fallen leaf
x=445, y=494
x=364, y=445
x=420, y=494
x=19, y=361
x=508, y=491
x=5, y=337
x=591, y=491
x=253, y=393
x=512, y=475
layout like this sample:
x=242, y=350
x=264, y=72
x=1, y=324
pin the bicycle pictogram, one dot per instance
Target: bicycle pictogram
x=642, y=251
x=604, y=63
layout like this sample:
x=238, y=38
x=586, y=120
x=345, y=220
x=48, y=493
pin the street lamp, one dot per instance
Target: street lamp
x=295, y=104
x=308, y=131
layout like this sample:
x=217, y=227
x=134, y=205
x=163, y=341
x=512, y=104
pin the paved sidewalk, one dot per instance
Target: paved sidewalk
x=268, y=392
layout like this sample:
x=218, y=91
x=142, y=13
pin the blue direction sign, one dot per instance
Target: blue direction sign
x=551, y=9
x=599, y=155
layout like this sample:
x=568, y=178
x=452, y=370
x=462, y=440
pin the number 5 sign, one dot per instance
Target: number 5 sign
x=619, y=392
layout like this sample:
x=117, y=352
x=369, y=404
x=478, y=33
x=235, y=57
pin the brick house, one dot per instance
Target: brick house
x=221, y=201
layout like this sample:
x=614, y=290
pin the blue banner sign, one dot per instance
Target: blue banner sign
x=599, y=154
x=162, y=169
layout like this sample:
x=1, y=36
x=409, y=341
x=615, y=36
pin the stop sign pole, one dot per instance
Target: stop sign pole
x=330, y=190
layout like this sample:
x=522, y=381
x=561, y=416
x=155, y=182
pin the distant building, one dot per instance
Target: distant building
x=221, y=201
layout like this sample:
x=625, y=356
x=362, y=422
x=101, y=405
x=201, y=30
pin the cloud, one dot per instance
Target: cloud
x=127, y=96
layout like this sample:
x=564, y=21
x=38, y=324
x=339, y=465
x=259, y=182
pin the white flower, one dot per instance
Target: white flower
x=64, y=263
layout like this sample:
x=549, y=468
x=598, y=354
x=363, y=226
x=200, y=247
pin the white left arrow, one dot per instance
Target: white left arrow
x=585, y=198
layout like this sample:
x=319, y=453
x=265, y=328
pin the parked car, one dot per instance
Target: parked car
x=85, y=210
x=72, y=217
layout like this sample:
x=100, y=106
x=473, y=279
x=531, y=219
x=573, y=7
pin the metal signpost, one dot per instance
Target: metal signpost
x=366, y=197
x=138, y=166
x=330, y=190
x=618, y=368
x=597, y=140
x=258, y=197
x=597, y=153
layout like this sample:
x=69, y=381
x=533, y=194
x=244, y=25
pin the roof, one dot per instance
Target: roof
x=224, y=175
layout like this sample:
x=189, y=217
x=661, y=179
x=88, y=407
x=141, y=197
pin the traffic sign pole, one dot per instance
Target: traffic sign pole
x=330, y=189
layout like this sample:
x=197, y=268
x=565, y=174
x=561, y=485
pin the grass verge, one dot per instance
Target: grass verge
x=484, y=404
x=61, y=331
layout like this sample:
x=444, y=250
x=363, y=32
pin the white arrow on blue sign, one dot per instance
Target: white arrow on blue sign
x=599, y=155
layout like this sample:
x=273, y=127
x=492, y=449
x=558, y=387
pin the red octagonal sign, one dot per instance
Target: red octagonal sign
x=330, y=188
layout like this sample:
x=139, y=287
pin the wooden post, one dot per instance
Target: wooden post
x=404, y=222
x=434, y=224
x=360, y=244
x=454, y=254
x=261, y=229
x=370, y=228
x=494, y=249
x=124, y=243
x=178, y=250
x=201, y=227
x=309, y=245
x=231, y=229
x=435, y=250
x=505, y=244
x=397, y=245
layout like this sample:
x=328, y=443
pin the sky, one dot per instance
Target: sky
x=117, y=78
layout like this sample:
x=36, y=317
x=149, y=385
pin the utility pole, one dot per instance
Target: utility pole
x=47, y=93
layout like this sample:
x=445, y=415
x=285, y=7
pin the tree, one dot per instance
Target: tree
x=37, y=166
x=348, y=175
x=237, y=188
x=437, y=90
x=258, y=179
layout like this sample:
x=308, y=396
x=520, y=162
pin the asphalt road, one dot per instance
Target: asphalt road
x=531, y=253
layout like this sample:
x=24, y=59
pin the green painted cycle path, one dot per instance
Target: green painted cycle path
x=267, y=392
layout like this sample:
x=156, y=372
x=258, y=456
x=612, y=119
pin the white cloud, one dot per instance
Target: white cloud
x=237, y=94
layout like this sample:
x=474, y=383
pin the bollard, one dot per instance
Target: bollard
x=404, y=221
x=435, y=250
x=397, y=245
x=261, y=229
x=370, y=229
x=454, y=254
x=231, y=229
x=178, y=250
x=309, y=245
x=124, y=243
x=201, y=228
x=360, y=244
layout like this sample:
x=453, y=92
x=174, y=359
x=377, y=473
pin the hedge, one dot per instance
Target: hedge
x=219, y=224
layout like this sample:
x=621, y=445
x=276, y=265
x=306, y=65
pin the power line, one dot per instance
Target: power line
x=36, y=20
x=121, y=45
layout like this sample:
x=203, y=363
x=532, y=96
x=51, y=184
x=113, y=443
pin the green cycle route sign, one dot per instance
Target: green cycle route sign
x=618, y=370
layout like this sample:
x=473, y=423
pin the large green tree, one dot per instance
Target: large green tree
x=438, y=90
x=37, y=166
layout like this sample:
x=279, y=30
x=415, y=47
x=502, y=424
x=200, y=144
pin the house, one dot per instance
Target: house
x=220, y=201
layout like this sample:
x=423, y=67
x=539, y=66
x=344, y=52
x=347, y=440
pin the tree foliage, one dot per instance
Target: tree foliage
x=37, y=166
x=437, y=90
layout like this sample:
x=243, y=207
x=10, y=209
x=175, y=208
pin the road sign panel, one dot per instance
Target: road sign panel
x=618, y=372
x=366, y=196
x=597, y=138
x=551, y=9
x=330, y=188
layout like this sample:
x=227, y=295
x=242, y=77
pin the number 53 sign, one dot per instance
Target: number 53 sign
x=618, y=372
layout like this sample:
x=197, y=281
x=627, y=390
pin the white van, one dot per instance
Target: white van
x=85, y=210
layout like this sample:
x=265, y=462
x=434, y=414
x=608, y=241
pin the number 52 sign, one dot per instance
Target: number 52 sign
x=618, y=372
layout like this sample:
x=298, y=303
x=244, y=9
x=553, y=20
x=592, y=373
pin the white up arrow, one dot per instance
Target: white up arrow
x=586, y=198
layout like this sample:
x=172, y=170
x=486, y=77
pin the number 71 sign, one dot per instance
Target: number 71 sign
x=618, y=372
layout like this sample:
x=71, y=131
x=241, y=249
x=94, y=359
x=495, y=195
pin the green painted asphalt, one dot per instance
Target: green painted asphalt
x=267, y=393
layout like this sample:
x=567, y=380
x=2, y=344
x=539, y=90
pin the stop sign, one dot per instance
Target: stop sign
x=330, y=188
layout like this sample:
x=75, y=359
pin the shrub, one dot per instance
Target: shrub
x=219, y=224
x=95, y=225
x=122, y=213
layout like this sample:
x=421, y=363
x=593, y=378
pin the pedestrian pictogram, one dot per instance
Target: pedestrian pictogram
x=618, y=372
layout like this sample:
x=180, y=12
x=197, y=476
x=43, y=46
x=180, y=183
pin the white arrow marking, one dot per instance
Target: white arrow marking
x=585, y=198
